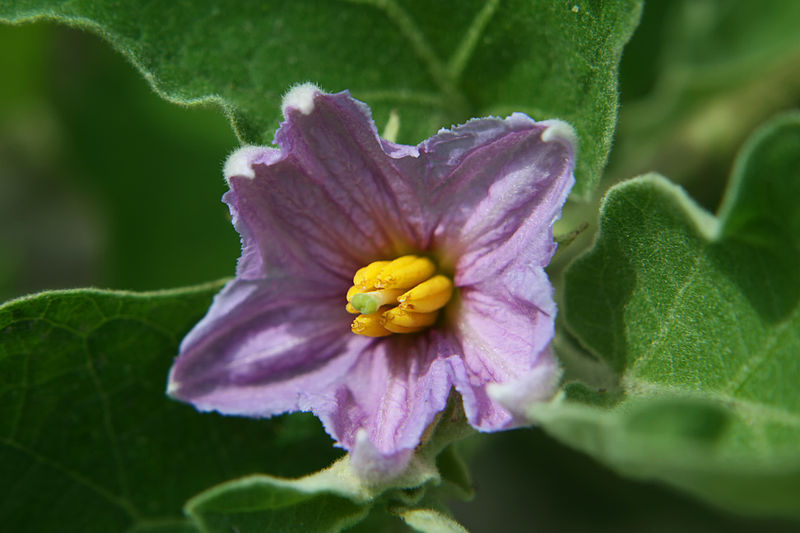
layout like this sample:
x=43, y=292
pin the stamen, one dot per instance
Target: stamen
x=369, y=326
x=408, y=319
x=367, y=277
x=352, y=291
x=428, y=296
x=405, y=272
x=400, y=296
x=369, y=302
x=400, y=329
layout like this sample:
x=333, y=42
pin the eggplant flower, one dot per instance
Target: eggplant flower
x=377, y=277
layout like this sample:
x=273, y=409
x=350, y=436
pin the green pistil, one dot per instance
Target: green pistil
x=365, y=303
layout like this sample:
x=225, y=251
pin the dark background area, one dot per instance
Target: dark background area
x=103, y=183
x=525, y=481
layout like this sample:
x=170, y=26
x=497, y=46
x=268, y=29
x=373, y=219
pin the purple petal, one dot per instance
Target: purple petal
x=504, y=337
x=265, y=348
x=373, y=466
x=240, y=164
x=537, y=385
x=331, y=202
x=499, y=186
x=338, y=144
x=393, y=393
x=447, y=150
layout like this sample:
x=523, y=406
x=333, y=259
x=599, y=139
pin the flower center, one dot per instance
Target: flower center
x=400, y=296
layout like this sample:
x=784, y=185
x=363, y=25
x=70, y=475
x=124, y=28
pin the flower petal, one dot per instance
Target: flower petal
x=240, y=164
x=265, y=348
x=504, y=337
x=540, y=384
x=498, y=187
x=373, y=466
x=333, y=200
x=391, y=395
x=339, y=145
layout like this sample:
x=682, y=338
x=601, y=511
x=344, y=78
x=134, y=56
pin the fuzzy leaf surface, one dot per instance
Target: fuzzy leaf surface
x=700, y=316
x=335, y=498
x=264, y=503
x=88, y=439
x=434, y=64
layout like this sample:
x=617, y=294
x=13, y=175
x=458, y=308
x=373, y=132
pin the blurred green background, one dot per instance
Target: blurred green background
x=104, y=184
x=101, y=182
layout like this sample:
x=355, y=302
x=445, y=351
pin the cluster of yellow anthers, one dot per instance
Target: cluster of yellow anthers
x=400, y=296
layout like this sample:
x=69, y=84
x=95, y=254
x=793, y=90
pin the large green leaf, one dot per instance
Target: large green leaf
x=701, y=318
x=435, y=63
x=88, y=439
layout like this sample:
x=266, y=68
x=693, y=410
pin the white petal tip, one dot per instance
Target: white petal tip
x=172, y=388
x=373, y=466
x=558, y=130
x=540, y=385
x=300, y=97
x=240, y=163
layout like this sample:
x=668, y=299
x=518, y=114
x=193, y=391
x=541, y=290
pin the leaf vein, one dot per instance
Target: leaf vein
x=422, y=48
x=668, y=323
x=107, y=421
x=120, y=502
x=467, y=46
x=762, y=356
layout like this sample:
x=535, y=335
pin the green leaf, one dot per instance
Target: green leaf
x=430, y=521
x=434, y=63
x=331, y=499
x=88, y=439
x=455, y=473
x=264, y=503
x=701, y=318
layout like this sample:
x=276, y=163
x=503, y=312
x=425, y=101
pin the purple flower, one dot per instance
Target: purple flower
x=473, y=206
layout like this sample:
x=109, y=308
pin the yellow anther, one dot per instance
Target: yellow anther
x=428, y=296
x=400, y=329
x=367, y=277
x=400, y=296
x=405, y=272
x=352, y=291
x=408, y=319
x=369, y=302
x=369, y=326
